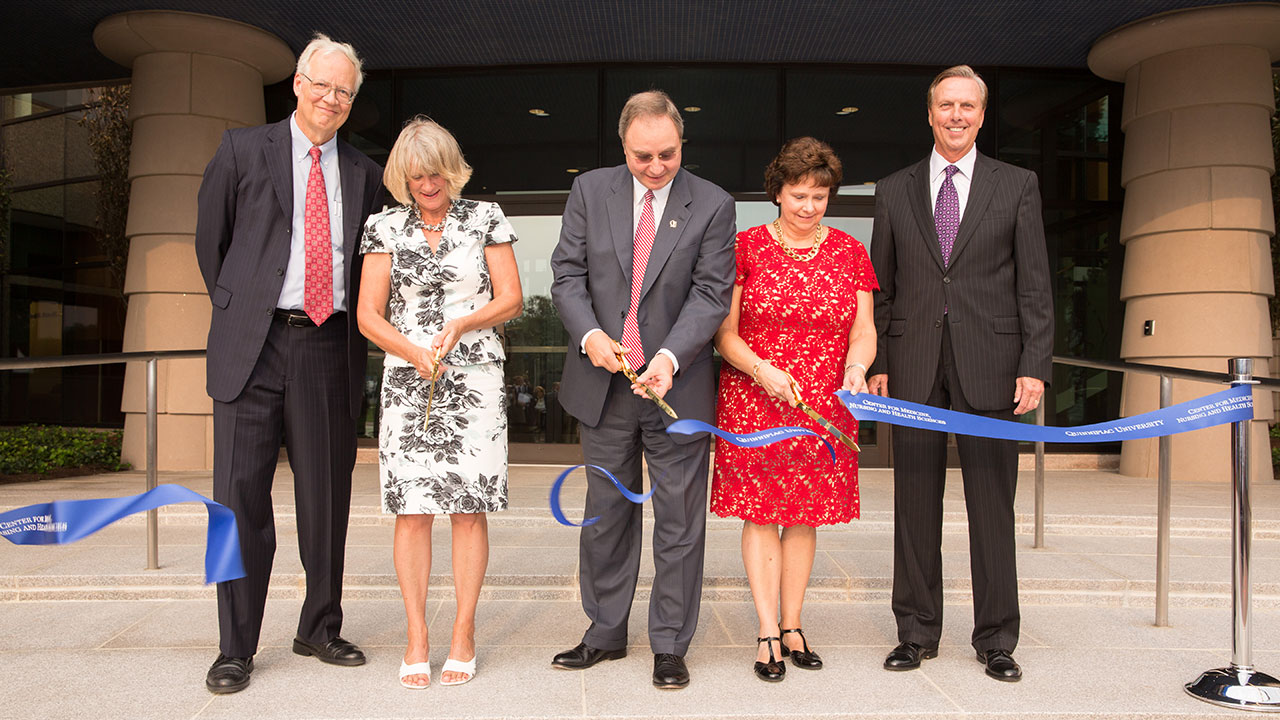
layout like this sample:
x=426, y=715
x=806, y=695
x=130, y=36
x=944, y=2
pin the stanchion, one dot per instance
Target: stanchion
x=1164, y=509
x=1239, y=685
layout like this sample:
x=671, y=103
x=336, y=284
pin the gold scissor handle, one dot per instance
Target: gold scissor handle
x=431, y=391
x=631, y=375
x=818, y=418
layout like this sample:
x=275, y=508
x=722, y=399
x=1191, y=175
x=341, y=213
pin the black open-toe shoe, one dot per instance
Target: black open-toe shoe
x=805, y=658
x=774, y=670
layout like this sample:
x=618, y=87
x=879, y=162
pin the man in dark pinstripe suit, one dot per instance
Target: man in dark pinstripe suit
x=281, y=208
x=965, y=321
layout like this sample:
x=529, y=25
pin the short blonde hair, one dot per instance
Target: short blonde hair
x=425, y=146
x=649, y=104
x=321, y=44
x=960, y=71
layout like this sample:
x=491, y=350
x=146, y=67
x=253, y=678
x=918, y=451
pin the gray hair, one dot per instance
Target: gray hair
x=959, y=71
x=424, y=146
x=322, y=45
x=647, y=104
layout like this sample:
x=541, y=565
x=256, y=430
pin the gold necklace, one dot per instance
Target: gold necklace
x=818, y=237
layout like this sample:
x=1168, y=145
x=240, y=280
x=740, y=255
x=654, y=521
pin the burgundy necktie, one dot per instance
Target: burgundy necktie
x=317, y=301
x=639, y=261
x=946, y=214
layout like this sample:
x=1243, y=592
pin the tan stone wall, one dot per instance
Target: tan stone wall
x=194, y=76
x=1197, y=214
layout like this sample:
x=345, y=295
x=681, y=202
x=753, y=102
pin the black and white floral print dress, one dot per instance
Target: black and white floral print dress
x=457, y=463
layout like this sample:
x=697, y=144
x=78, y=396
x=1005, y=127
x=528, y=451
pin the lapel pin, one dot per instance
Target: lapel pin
x=675, y=223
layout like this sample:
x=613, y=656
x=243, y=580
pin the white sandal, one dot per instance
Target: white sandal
x=467, y=668
x=422, y=668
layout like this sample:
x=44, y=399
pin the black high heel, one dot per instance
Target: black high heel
x=774, y=670
x=806, y=658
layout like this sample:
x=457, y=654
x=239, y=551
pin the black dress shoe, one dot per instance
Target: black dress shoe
x=228, y=674
x=774, y=670
x=584, y=656
x=669, y=672
x=907, y=656
x=1000, y=665
x=806, y=658
x=335, y=652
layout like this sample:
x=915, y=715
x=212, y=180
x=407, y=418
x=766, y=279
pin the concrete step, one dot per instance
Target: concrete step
x=532, y=559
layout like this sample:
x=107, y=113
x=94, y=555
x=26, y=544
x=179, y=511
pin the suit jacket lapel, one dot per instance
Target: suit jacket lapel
x=279, y=152
x=981, y=187
x=620, y=212
x=351, y=175
x=922, y=208
x=668, y=231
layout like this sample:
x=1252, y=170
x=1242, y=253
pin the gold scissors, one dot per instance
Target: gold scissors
x=631, y=375
x=431, y=392
x=825, y=423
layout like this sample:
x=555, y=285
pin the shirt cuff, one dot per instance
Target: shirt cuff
x=675, y=364
x=583, y=345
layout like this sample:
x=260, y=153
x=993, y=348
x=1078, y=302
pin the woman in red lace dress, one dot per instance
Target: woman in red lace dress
x=801, y=311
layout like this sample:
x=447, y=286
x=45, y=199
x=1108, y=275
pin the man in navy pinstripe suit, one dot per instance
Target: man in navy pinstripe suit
x=281, y=208
x=965, y=321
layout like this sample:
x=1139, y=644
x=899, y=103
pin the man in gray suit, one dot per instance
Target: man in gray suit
x=281, y=208
x=965, y=321
x=644, y=267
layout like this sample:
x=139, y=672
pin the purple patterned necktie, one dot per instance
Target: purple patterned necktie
x=946, y=214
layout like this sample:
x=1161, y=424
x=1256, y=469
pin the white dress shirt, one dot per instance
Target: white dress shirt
x=295, y=274
x=637, y=206
x=962, y=179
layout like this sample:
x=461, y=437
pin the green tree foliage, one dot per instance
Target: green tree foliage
x=107, y=122
x=38, y=449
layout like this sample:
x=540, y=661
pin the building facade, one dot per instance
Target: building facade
x=1149, y=142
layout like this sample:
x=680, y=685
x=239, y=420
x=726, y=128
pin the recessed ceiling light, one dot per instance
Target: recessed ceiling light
x=539, y=112
x=693, y=108
x=846, y=110
x=572, y=170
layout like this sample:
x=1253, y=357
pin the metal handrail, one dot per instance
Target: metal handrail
x=1164, y=482
x=151, y=357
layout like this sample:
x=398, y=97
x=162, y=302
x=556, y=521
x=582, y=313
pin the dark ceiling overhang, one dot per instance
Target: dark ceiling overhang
x=44, y=43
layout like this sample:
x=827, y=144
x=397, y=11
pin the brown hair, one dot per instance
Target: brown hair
x=646, y=104
x=802, y=158
x=960, y=71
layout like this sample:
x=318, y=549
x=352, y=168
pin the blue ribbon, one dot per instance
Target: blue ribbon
x=756, y=439
x=65, y=521
x=1227, y=406
x=558, y=512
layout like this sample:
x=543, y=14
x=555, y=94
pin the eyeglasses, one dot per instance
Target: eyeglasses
x=321, y=89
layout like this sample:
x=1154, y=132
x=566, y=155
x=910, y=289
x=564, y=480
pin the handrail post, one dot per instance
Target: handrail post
x=1240, y=685
x=153, y=515
x=1164, y=507
x=1039, y=541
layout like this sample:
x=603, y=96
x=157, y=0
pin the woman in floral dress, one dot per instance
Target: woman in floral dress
x=801, y=319
x=444, y=269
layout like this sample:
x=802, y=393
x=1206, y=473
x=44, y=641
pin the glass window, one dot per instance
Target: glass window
x=732, y=135
x=510, y=146
x=876, y=122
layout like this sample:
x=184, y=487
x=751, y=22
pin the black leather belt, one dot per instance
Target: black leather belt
x=298, y=318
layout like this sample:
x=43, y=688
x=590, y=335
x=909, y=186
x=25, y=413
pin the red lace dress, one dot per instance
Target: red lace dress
x=798, y=315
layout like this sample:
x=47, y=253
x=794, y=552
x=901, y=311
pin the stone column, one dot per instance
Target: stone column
x=1197, y=212
x=194, y=76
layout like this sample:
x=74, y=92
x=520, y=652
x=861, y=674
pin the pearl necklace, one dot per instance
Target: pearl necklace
x=438, y=227
x=812, y=253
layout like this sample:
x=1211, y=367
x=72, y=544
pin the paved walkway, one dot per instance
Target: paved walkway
x=85, y=631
